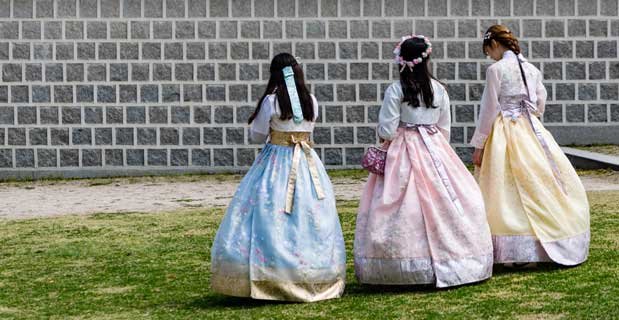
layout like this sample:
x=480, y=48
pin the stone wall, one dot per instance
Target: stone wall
x=98, y=87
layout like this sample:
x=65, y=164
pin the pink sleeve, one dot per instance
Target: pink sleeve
x=489, y=108
x=542, y=95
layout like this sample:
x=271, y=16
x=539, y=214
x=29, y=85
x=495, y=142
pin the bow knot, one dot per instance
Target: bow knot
x=294, y=140
x=300, y=142
x=430, y=128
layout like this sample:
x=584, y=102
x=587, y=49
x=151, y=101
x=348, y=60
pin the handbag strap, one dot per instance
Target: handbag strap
x=524, y=78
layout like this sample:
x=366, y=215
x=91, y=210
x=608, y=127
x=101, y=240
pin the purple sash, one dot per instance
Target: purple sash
x=526, y=107
x=425, y=130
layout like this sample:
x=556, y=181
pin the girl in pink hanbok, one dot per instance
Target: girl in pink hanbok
x=423, y=221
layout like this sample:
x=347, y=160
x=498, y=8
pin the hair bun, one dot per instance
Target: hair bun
x=502, y=35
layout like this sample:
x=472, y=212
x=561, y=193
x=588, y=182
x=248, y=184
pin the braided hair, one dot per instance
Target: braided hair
x=503, y=36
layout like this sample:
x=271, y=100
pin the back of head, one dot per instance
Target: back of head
x=415, y=75
x=277, y=85
x=503, y=36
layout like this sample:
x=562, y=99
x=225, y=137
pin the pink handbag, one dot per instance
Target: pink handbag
x=374, y=160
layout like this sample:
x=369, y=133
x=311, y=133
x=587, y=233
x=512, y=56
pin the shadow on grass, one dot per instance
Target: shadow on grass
x=215, y=301
x=501, y=270
x=353, y=289
x=357, y=289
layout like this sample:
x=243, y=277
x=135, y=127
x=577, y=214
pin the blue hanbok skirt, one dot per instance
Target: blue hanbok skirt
x=262, y=252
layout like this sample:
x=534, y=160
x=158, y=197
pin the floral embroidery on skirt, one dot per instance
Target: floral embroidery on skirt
x=262, y=252
x=415, y=228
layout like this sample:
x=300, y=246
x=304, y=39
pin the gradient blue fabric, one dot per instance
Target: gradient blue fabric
x=262, y=252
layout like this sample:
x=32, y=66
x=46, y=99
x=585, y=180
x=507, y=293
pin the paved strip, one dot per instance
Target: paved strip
x=37, y=200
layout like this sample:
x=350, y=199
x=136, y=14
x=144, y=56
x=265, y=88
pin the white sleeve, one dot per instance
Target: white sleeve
x=542, y=95
x=444, y=120
x=389, y=114
x=489, y=108
x=316, y=108
x=260, y=127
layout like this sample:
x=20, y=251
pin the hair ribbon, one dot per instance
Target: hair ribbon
x=295, y=103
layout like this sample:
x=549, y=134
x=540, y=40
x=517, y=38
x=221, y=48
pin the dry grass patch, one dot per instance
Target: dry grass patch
x=609, y=149
x=114, y=290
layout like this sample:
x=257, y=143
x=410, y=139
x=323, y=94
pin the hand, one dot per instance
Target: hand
x=384, y=143
x=478, y=155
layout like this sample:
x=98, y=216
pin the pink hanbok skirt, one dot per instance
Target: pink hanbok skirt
x=423, y=222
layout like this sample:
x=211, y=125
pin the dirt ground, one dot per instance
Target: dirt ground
x=22, y=200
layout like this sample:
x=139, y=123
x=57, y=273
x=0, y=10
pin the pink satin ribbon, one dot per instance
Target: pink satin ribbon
x=514, y=111
x=426, y=130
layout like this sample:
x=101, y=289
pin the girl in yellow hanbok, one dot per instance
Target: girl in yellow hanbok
x=536, y=205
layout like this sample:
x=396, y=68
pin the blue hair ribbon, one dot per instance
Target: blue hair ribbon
x=297, y=112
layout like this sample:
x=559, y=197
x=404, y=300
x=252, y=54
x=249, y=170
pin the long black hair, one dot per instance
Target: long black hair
x=277, y=85
x=417, y=81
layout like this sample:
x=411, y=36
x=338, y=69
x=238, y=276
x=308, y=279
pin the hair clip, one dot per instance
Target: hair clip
x=487, y=35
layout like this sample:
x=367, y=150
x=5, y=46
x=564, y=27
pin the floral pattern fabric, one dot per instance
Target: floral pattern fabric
x=409, y=228
x=262, y=252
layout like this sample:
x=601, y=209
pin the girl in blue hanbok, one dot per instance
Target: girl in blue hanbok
x=281, y=237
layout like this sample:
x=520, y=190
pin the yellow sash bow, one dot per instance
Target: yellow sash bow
x=300, y=141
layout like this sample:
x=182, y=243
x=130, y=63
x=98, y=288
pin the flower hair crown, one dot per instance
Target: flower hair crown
x=400, y=61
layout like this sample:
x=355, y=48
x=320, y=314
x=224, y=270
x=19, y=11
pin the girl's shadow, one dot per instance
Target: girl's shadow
x=353, y=288
x=500, y=269
x=358, y=289
x=216, y=301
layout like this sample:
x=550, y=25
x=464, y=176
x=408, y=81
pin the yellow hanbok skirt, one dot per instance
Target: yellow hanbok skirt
x=532, y=219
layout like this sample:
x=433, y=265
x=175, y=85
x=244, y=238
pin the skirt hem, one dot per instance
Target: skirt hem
x=528, y=248
x=277, y=290
x=445, y=273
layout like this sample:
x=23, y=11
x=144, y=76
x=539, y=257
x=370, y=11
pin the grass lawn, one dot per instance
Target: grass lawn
x=156, y=266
